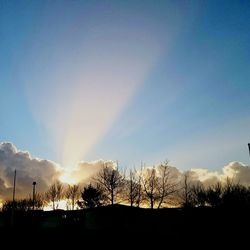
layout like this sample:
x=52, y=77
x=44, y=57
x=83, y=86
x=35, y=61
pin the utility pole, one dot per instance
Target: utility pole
x=14, y=187
x=13, y=201
x=34, y=193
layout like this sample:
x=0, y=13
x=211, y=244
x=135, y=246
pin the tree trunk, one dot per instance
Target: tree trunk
x=161, y=200
x=151, y=203
x=131, y=194
x=112, y=197
x=73, y=203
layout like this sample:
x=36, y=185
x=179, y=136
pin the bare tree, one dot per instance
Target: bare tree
x=199, y=194
x=25, y=204
x=150, y=185
x=139, y=189
x=186, y=191
x=39, y=201
x=214, y=195
x=51, y=195
x=111, y=181
x=72, y=194
x=134, y=188
x=55, y=193
x=19, y=205
x=167, y=185
x=159, y=184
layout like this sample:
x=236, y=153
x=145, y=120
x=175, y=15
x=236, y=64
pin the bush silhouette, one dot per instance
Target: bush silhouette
x=91, y=197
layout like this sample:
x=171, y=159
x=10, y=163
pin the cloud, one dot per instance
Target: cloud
x=29, y=169
x=85, y=171
x=174, y=175
x=45, y=172
x=236, y=171
x=204, y=176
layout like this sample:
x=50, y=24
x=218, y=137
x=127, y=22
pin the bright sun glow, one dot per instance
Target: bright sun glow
x=66, y=177
x=62, y=204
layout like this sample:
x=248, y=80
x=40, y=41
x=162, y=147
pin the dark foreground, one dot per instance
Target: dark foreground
x=105, y=225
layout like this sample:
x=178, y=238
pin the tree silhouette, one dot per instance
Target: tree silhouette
x=214, y=195
x=199, y=195
x=186, y=192
x=25, y=204
x=235, y=195
x=134, y=188
x=55, y=194
x=167, y=185
x=91, y=196
x=19, y=205
x=110, y=181
x=72, y=194
x=150, y=182
x=158, y=184
x=39, y=201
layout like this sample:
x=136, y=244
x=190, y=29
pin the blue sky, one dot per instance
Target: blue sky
x=127, y=80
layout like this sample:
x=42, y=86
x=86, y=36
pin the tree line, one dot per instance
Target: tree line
x=154, y=187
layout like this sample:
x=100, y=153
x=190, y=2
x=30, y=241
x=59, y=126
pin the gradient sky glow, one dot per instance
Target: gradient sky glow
x=127, y=81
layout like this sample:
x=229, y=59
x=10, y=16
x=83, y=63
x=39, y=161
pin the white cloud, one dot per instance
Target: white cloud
x=205, y=176
x=85, y=171
x=28, y=169
x=236, y=171
x=44, y=172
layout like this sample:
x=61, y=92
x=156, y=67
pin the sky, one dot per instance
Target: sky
x=128, y=81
